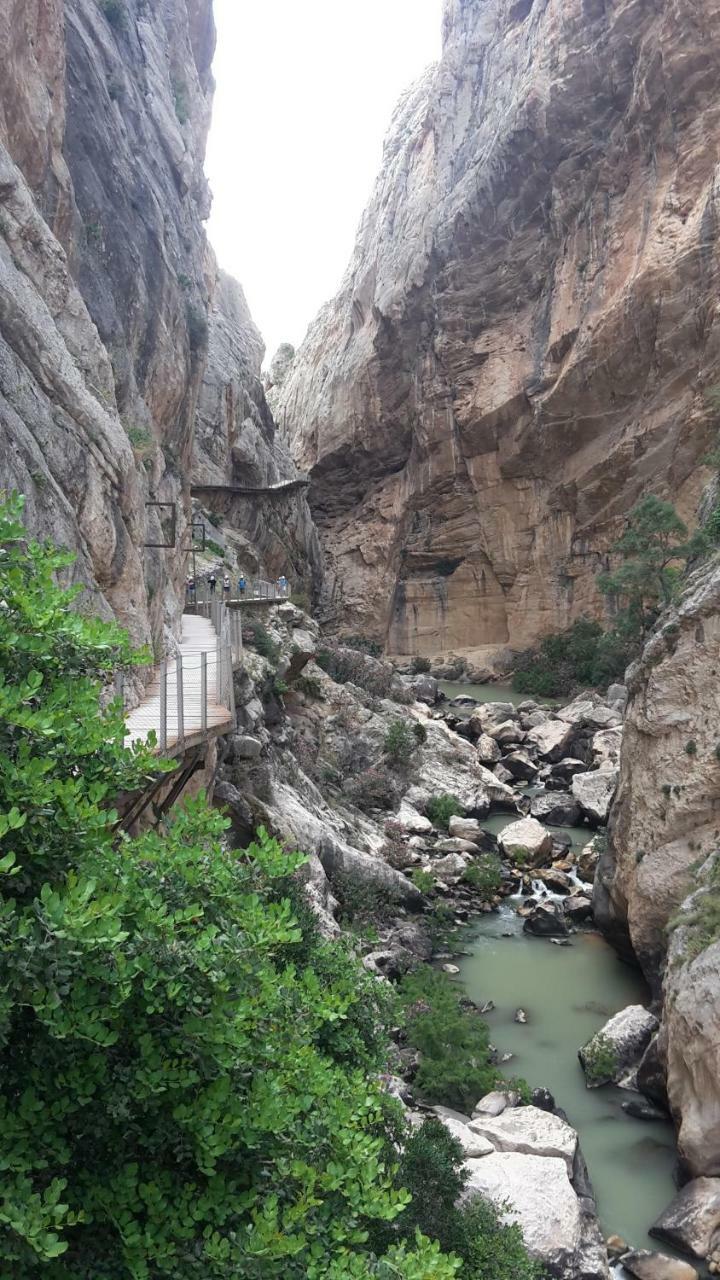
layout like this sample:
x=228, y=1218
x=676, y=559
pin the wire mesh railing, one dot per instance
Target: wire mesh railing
x=201, y=594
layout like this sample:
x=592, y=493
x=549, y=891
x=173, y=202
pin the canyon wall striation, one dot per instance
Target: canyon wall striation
x=527, y=332
x=105, y=280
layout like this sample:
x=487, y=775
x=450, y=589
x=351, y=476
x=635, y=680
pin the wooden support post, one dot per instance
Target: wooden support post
x=163, y=706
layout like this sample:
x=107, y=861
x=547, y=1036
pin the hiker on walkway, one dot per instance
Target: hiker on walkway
x=212, y=583
x=241, y=585
x=226, y=585
x=190, y=589
x=282, y=584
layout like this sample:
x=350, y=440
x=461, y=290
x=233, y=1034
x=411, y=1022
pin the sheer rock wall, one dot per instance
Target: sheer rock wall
x=526, y=333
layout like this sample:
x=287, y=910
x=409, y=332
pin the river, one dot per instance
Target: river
x=568, y=993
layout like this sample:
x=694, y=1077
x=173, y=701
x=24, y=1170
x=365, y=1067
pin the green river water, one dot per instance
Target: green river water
x=568, y=993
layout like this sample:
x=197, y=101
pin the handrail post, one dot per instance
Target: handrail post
x=163, y=706
x=203, y=692
x=180, y=701
x=120, y=686
x=231, y=687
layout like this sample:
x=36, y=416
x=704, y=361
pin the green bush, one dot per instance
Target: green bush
x=311, y=686
x=423, y=880
x=420, y=732
x=440, y=809
x=400, y=742
x=456, y=1065
x=432, y=1169
x=582, y=656
x=702, y=917
x=691, y=747
x=363, y=644
x=186, y=1068
x=485, y=875
x=420, y=666
x=259, y=637
x=600, y=1060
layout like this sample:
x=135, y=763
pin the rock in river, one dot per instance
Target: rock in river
x=691, y=1221
x=593, y=792
x=612, y=1055
x=525, y=841
x=531, y=1131
x=557, y=808
x=646, y=1265
x=546, y=920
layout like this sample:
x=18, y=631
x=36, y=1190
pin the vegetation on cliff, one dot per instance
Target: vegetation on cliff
x=186, y=1067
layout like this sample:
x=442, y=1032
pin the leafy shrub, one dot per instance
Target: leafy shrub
x=600, y=1060
x=485, y=875
x=214, y=547
x=372, y=789
x=702, y=917
x=432, y=1169
x=115, y=12
x=362, y=900
x=311, y=686
x=301, y=600
x=423, y=880
x=363, y=644
x=691, y=747
x=400, y=742
x=582, y=656
x=259, y=637
x=186, y=1068
x=420, y=666
x=440, y=809
x=456, y=1066
x=420, y=732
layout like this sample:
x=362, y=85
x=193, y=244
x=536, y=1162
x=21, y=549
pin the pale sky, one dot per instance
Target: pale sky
x=305, y=93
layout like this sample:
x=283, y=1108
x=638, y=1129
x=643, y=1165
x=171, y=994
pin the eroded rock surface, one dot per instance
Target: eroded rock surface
x=526, y=331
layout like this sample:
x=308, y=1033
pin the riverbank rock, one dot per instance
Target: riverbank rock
x=492, y=1104
x=472, y=1143
x=536, y=1193
x=488, y=751
x=519, y=764
x=531, y=1131
x=552, y=739
x=578, y=908
x=465, y=828
x=546, y=920
x=691, y=1221
x=594, y=792
x=646, y=1265
x=613, y=1054
x=525, y=841
x=556, y=808
x=605, y=747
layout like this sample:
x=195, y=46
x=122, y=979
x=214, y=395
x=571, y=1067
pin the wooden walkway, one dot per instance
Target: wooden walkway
x=186, y=725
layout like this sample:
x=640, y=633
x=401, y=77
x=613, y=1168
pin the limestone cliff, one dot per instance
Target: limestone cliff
x=664, y=828
x=527, y=329
x=105, y=279
x=238, y=447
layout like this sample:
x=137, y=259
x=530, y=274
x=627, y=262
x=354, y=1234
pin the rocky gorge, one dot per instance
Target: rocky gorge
x=524, y=342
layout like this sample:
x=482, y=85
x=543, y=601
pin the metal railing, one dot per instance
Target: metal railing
x=256, y=589
x=186, y=694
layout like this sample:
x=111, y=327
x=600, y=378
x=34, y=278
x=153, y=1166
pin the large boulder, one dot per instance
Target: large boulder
x=425, y=689
x=546, y=920
x=557, y=808
x=529, y=1130
x=605, y=747
x=450, y=868
x=594, y=792
x=465, y=828
x=525, y=841
x=488, y=751
x=613, y=1054
x=507, y=732
x=473, y=1144
x=519, y=764
x=589, y=713
x=691, y=1221
x=536, y=1193
x=552, y=739
x=414, y=823
x=646, y=1265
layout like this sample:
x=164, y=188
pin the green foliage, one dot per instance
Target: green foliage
x=115, y=12
x=215, y=519
x=485, y=875
x=655, y=548
x=185, y=1066
x=400, y=742
x=420, y=666
x=423, y=880
x=301, y=600
x=363, y=901
x=141, y=440
x=214, y=547
x=364, y=644
x=691, y=747
x=432, y=1170
x=600, y=1060
x=420, y=732
x=455, y=1058
x=701, y=918
x=259, y=637
x=280, y=686
x=311, y=686
x=440, y=809
x=584, y=655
